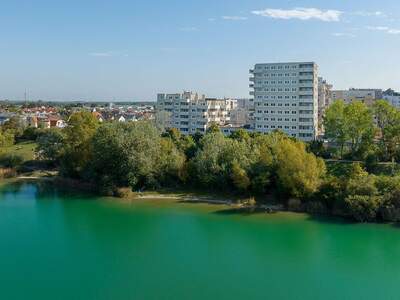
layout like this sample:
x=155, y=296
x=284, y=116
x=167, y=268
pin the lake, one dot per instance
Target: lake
x=59, y=245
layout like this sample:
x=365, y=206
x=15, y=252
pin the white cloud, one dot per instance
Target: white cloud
x=188, y=29
x=343, y=34
x=384, y=29
x=211, y=19
x=301, y=14
x=101, y=54
x=393, y=31
x=378, y=28
x=234, y=18
x=370, y=13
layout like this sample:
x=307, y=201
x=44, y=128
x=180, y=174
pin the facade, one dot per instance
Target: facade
x=243, y=114
x=190, y=112
x=324, y=100
x=367, y=96
x=286, y=98
x=392, y=97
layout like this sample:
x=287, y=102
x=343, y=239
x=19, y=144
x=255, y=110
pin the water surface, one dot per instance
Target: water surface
x=56, y=245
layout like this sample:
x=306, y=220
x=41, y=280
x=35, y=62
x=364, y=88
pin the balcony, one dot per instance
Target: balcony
x=251, y=93
x=251, y=71
x=251, y=85
x=251, y=79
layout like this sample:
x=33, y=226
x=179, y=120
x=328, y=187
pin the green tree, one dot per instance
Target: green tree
x=133, y=154
x=359, y=126
x=239, y=177
x=299, y=173
x=77, y=152
x=388, y=124
x=335, y=124
x=50, y=144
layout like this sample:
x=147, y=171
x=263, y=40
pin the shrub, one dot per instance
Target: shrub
x=11, y=160
x=363, y=208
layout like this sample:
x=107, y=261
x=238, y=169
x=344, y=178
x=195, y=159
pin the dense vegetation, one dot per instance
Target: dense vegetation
x=270, y=167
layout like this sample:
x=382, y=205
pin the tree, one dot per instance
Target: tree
x=7, y=138
x=15, y=125
x=299, y=173
x=359, y=126
x=50, y=144
x=388, y=124
x=335, y=124
x=133, y=154
x=239, y=177
x=240, y=135
x=185, y=143
x=350, y=123
x=213, y=128
x=77, y=143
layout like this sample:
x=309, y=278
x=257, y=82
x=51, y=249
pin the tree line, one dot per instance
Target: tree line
x=141, y=156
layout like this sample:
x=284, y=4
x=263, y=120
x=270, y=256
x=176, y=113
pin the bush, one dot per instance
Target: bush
x=295, y=205
x=11, y=160
x=363, y=208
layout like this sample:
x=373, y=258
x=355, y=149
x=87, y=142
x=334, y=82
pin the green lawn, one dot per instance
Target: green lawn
x=25, y=149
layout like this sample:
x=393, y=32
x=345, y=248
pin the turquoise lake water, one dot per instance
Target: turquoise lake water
x=56, y=245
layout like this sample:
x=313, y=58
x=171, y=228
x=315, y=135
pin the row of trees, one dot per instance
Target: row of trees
x=360, y=131
x=139, y=156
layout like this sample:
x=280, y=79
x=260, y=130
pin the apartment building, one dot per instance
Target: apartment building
x=368, y=96
x=286, y=98
x=243, y=114
x=392, y=97
x=190, y=112
x=324, y=100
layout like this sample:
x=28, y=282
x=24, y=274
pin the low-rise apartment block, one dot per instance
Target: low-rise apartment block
x=367, y=96
x=190, y=112
x=392, y=97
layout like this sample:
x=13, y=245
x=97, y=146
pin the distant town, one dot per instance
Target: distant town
x=290, y=97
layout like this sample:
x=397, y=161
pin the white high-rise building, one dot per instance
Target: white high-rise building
x=190, y=112
x=286, y=98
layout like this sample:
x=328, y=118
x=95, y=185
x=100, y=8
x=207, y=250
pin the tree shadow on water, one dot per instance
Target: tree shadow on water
x=242, y=211
x=329, y=219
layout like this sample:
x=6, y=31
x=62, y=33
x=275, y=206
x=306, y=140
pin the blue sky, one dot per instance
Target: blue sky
x=131, y=50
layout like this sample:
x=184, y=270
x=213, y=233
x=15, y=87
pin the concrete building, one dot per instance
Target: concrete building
x=324, y=100
x=286, y=98
x=392, y=97
x=190, y=112
x=368, y=96
x=243, y=114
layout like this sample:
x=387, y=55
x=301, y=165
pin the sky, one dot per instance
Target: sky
x=120, y=50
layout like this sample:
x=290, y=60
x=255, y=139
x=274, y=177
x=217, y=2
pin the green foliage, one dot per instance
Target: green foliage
x=350, y=124
x=335, y=124
x=127, y=154
x=388, y=123
x=14, y=125
x=50, y=144
x=240, y=135
x=77, y=152
x=7, y=138
x=359, y=127
x=11, y=160
x=363, y=208
x=30, y=134
x=239, y=177
x=299, y=173
x=318, y=149
x=213, y=128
